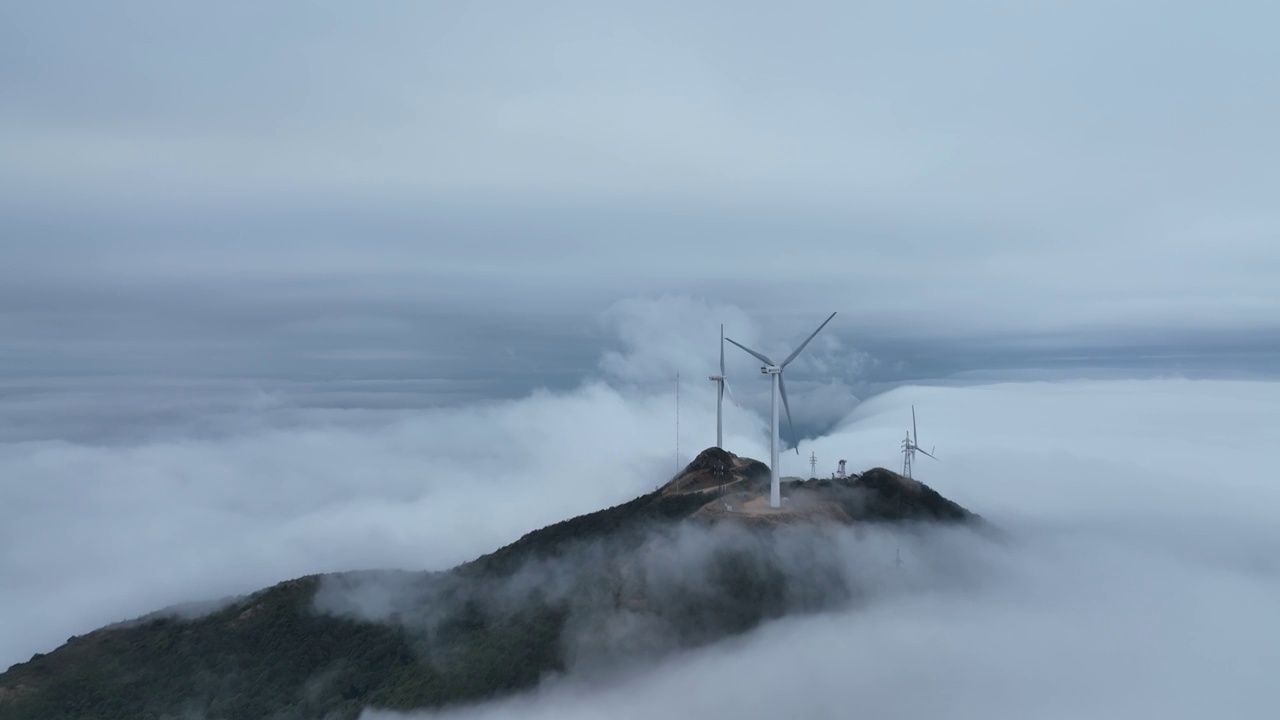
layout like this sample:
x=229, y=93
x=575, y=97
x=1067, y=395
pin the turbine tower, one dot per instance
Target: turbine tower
x=722, y=386
x=909, y=446
x=774, y=370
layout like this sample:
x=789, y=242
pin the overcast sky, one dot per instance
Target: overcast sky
x=298, y=287
x=247, y=189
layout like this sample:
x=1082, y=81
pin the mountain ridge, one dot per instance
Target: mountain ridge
x=329, y=645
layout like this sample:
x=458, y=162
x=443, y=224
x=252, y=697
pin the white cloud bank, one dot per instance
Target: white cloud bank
x=96, y=534
x=92, y=534
x=1143, y=578
x=1141, y=581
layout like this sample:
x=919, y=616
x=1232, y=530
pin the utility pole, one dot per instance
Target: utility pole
x=677, y=422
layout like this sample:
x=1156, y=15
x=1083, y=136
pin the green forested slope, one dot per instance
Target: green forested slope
x=470, y=633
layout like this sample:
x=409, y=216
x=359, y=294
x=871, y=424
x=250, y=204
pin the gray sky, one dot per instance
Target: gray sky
x=228, y=189
x=250, y=252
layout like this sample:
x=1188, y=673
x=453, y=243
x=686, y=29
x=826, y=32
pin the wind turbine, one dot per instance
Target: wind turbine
x=722, y=386
x=909, y=446
x=774, y=370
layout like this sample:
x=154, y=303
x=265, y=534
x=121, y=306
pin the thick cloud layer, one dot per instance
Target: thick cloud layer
x=1139, y=577
x=233, y=177
x=1143, y=513
x=219, y=488
x=1067, y=624
x=277, y=282
x=93, y=534
x=635, y=597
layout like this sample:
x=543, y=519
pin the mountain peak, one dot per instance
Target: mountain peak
x=492, y=626
x=717, y=469
x=737, y=489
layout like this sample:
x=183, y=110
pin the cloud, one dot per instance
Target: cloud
x=1137, y=577
x=99, y=533
x=662, y=336
x=688, y=581
x=218, y=488
x=1062, y=625
x=126, y=496
x=656, y=338
x=1140, y=512
x=279, y=285
x=569, y=155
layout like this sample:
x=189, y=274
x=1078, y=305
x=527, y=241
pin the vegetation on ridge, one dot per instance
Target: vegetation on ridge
x=489, y=627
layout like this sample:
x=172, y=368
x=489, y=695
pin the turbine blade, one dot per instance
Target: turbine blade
x=782, y=390
x=722, y=350
x=755, y=354
x=725, y=382
x=915, y=434
x=922, y=450
x=793, y=355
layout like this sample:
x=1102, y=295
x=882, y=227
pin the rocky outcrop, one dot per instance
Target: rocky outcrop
x=718, y=470
x=487, y=628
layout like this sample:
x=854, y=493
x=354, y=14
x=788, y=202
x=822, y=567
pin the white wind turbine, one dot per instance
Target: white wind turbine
x=722, y=386
x=909, y=446
x=779, y=389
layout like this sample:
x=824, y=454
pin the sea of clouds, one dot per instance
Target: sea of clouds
x=1141, y=577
